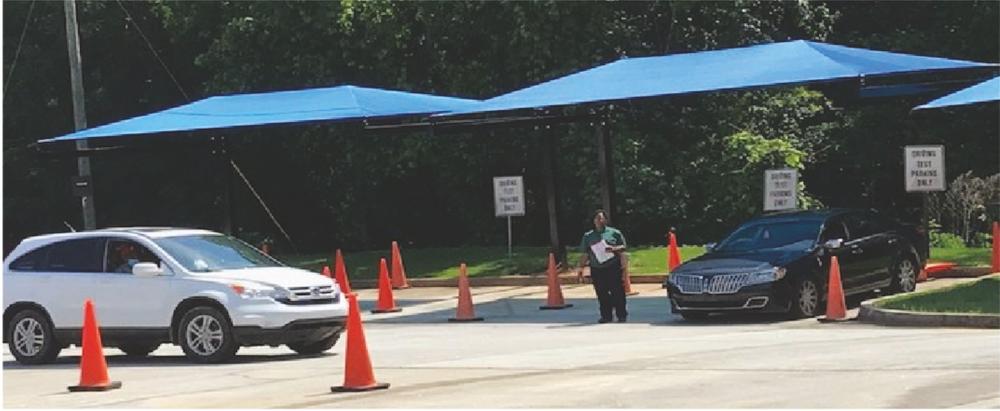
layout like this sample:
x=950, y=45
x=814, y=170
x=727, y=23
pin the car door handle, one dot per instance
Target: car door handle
x=893, y=241
x=857, y=251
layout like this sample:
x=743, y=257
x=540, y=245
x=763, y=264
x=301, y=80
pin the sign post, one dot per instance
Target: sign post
x=508, y=200
x=924, y=174
x=781, y=189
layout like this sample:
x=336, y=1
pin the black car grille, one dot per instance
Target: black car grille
x=716, y=284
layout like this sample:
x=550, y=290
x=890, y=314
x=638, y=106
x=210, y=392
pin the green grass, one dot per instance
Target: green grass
x=981, y=296
x=481, y=261
x=962, y=256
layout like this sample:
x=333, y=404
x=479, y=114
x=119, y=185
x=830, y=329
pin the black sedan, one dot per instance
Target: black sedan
x=780, y=263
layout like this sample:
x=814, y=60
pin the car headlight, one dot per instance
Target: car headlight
x=259, y=292
x=766, y=276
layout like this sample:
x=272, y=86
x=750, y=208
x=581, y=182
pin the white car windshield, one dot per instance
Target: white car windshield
x=207, y=253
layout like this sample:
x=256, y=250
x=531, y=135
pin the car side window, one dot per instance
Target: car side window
x=832, y=230
x=861, y=226
x=83, y=255
x=122, y=255
x=32, y=261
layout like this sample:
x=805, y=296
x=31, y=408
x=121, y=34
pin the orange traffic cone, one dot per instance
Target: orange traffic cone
x=386, y=302
x=836, y=308
x=398, y=272
x=466, y=311
x=340, y=271
x=358, y=373
x=626, y=277
x=326, y=271
x=996, y=247
x=675, y=256
x=93, y=368
x=922, y=275
x=555, y=298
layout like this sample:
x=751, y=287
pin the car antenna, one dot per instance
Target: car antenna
x=70, y=227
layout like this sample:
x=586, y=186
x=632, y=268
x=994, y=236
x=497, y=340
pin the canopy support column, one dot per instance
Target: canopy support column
x=220, y=150
x=605, y=163
x=550, y=167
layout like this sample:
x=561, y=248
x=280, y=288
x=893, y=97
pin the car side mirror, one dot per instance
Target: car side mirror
x=833, y=244
x=710, y=246
x=146, y=270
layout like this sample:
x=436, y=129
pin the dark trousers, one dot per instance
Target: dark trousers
x=610, y=290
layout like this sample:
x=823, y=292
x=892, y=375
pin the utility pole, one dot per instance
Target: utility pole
x=79, y=113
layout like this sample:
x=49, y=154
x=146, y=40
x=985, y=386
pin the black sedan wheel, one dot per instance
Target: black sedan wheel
x=805, y=299
x=904, y=276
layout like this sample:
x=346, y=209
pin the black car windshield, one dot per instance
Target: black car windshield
x=792, y=235
x=206, y=253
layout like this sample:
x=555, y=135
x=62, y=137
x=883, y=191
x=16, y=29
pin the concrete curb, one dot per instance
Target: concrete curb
x=503, y=281
x=883, y=316
x=963, y=272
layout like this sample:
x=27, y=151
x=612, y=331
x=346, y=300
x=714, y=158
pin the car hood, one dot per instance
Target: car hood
x=285, y=277
x=722, y=262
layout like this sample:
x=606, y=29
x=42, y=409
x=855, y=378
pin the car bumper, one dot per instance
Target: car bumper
x=270, y=314
x=295, y=331
x=765, y=298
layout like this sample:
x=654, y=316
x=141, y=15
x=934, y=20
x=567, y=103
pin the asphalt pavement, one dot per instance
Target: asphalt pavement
x=521, y=356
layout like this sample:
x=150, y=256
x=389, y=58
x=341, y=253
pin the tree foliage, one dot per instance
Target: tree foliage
x=694, y=162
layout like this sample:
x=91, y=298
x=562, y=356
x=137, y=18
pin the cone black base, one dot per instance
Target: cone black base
x=554, y=307
x=391, y=310
x=400, y=288
x=632, y=293
x=376, y=386
x=111, y=386
x=833, y=320
x=463, y=320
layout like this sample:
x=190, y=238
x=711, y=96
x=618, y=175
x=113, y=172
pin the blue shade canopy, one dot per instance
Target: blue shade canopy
x=988, y=90
x=787, y=63
x=318, y=104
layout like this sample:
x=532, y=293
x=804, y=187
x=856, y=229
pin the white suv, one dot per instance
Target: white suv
x=207, y=292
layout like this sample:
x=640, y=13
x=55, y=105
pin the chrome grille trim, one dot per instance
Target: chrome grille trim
x=727, y=283
x=306, y=293
x=689, y=284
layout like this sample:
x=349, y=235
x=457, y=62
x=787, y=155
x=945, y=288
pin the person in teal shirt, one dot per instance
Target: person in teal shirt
x=605, y=267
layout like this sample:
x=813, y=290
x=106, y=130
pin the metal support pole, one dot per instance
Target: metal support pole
x=510, y=242
x=549, y=165
x=79, y=112
x=606, y=168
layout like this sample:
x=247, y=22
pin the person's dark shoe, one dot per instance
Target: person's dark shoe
x=622, y=319
x=604, y=320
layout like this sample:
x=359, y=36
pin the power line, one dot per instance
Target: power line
x=155, y=54
x=13, y=64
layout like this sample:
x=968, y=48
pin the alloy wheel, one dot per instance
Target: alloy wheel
x=808, y=297
x=907, y=276
x=29, y=337
x=204, y=335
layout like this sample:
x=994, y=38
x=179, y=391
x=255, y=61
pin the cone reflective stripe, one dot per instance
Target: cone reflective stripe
x=398, y=271
x=554, y=301
x=674, y=259
x=466, y=311
x=386, y=302
x=341, y=273
x=995, y=266
x=358, y=373
x=93, y=367
x=326, y=271
x=626, y=276
x=836, y=308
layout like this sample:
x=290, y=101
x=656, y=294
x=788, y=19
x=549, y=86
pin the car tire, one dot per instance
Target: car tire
x=315, y=347
x=206, y=336
x=806, y=298
x=694, y=315
x=31, y=338
x=904, y=275
x=138, y=349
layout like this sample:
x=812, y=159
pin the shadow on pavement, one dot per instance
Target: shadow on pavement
x=117, y=361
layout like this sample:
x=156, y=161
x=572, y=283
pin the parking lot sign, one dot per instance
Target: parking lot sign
x=508, y=195
x=781, y=188
x=924, y=168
